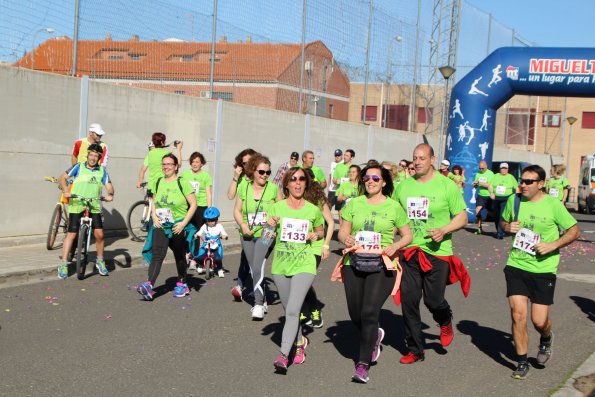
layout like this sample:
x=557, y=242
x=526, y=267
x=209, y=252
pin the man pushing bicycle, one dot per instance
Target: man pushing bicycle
x=89, y=179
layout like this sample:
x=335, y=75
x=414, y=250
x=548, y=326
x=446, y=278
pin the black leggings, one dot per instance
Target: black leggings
x=159, y=250
x=366, y=293
x=311, y=301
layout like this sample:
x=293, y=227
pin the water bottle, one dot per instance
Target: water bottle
x=268, y=235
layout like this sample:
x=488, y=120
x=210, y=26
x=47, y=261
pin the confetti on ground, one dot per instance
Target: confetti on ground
x=55, y=303
x=83, y=289
x=104, y=286
x=107, y=317
x=6, y=310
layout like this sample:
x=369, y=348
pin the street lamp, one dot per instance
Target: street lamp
x=571, y=120
x=446, y=72
x=389, y=78
x=48, y=31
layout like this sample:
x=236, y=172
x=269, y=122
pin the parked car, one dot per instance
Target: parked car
x=586, y=185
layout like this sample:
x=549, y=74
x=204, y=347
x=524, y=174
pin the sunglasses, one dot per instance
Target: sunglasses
x=297, y=178
x=411, y=169
x=529, y=181
x=482, y=168
x=375, y=178
x=262, y=172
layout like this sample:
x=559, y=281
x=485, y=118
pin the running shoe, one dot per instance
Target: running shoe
x=237, y=293
x=545, y=350
x=192, y=264
x=361, y=373
x=376, y=352
x=411, y=357
x=281, y=363
x=146, y=290
x=63, y=271
x=521, y=370
x=100, y=265
x=316, y=319
x=478, y=231
x=220, y=273
x=305, y=320
x=181, y=290
x=200, y=270
x=446, y=334
x=300, y=351
x=257, y=312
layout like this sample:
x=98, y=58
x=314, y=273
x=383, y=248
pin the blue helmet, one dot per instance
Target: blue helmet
x=211, y=213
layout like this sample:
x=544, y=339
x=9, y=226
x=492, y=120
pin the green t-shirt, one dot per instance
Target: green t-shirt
x=486, y=176
x=503, y=185
x=200, y=182
x=318, y=174
x=383, y=218
x=459, y=179
x=153, y=161
x=341, y=171
x=542, y=217
x=292, y=258
x=87, y=183
x=348, y=189
x=445, y=201
x=169, y=196
x=556, y=185
x=252, y=206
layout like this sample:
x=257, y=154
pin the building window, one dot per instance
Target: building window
x=187, y=58
x=371, y=113
x=551, y=119
x=137, y=57
x=116, y=57
x=226, y=96
x=330, y=111
x=425, y=115
x=180, y=92
x=588, y=120
x=520, y=127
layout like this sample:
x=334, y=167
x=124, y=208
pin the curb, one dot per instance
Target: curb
x=581, y=382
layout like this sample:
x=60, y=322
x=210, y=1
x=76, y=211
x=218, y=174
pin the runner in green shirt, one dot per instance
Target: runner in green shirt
x=152, y=161
x=436, y=209
x=458, y=178
x=557, y=186
x=503, y=185
x=202, y=184
x=482, y=183
x=308, y=162
x=342, y=170
x=371, y=221
x=349, y=189
x=533, y=261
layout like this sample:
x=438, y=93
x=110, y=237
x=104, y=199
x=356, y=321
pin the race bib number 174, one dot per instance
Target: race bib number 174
x=526, y=240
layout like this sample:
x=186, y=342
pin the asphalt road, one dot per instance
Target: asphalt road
x=96, y=337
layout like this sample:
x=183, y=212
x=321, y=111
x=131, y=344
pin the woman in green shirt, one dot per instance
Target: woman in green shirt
x=152, y=161
x=202, y=184
x=298, y=223
x=371, y=220
x=348, y=189
x=458, y=177
x=252, y=206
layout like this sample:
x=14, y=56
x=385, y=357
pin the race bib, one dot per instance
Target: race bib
x=525, y=240
x=554, y=192
x=347, y=200
x=500, y=189
x=259, y=218
x=482, y=179
x=195, y=186
x=164, y=215
x=417, y=207
x=294, y=230
x=368, y=240
x=343, y=180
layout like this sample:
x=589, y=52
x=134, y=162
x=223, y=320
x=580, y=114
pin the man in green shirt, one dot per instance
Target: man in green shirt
x=484, y=191
x=533, y=261
x=503, y=185
x=341, y=173
x=308, y=162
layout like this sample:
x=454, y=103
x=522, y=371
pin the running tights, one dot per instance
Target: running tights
x=160, y=243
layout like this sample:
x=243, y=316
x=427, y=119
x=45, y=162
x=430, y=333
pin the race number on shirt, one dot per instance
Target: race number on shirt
x=343, y=180
x=482, y=179
x=417, y=207
x=525, y=240
x=500, y=189
x=164, y=215
x=554, y=192
x=195, y=186
x=294, y=230
x=368, y=240
x=259, y=218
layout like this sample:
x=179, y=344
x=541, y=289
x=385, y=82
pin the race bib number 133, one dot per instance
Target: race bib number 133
x=294, y=230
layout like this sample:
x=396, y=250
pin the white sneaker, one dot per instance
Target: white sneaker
x=200, y=270
x=192, y=265
x=220, y=273
x=257, y=312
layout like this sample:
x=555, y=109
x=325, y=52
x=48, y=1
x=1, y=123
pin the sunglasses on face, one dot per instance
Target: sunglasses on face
x=528, y=181
x=375, y=178
x=262, y=172
x=297, y=178
x=482, y=169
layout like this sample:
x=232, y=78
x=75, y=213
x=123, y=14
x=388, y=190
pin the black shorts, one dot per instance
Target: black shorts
x=482, y=201
x=539, y=287
x=74, y=222
x=332, y=199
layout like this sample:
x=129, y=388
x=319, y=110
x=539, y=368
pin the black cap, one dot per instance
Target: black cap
x=338, y=152
x=294, y=155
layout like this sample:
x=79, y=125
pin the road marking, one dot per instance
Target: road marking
x=583, y=278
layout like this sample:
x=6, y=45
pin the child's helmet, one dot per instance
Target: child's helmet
x=211, y=213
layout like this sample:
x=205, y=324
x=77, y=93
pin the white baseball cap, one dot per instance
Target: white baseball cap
x=96, y=128
x=503, y=165
x=446, y=163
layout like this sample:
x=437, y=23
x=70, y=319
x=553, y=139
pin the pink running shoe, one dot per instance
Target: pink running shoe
x=300, y=353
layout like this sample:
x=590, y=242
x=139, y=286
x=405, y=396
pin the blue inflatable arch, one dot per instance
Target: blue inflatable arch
x=562, y=72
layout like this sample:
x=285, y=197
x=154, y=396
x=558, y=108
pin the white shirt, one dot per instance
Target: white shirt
x=332, y=187
x=211, y=233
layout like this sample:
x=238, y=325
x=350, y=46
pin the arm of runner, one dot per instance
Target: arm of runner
x=571, y=234
x=239, y=218
x=330, y=224
x=405, y=240
x=141, y=175
x=209, y=191
x=110, y=192
x=233, y=185
x=179, y=227
x=345, y=234
x=316, y=234
x=458, y=222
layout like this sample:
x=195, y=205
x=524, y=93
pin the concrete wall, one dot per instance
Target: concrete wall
x=40, y=119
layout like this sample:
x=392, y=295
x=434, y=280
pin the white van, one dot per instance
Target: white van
x=586, y=185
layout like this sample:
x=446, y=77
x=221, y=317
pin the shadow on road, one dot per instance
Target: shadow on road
x=586, y=305
x=342, y=335
x=495, y=344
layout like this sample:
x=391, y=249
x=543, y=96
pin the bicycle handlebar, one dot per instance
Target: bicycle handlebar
x=87, y=199
x=50, y=179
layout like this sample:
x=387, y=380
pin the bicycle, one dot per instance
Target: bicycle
x=208, y=262
x=139, y=217
x=59, y=220
x=84, y=236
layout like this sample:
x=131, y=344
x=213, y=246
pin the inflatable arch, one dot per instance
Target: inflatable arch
x=562, y=72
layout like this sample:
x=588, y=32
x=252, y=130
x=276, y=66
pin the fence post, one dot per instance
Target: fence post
x=370, y=142
x=307, y=132
x=217, y=168
x=84, y=107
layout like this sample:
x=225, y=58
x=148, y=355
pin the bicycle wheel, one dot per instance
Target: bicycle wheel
x=208, y=264
x=81, y=251
x=54, y=227
x=138, y=219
